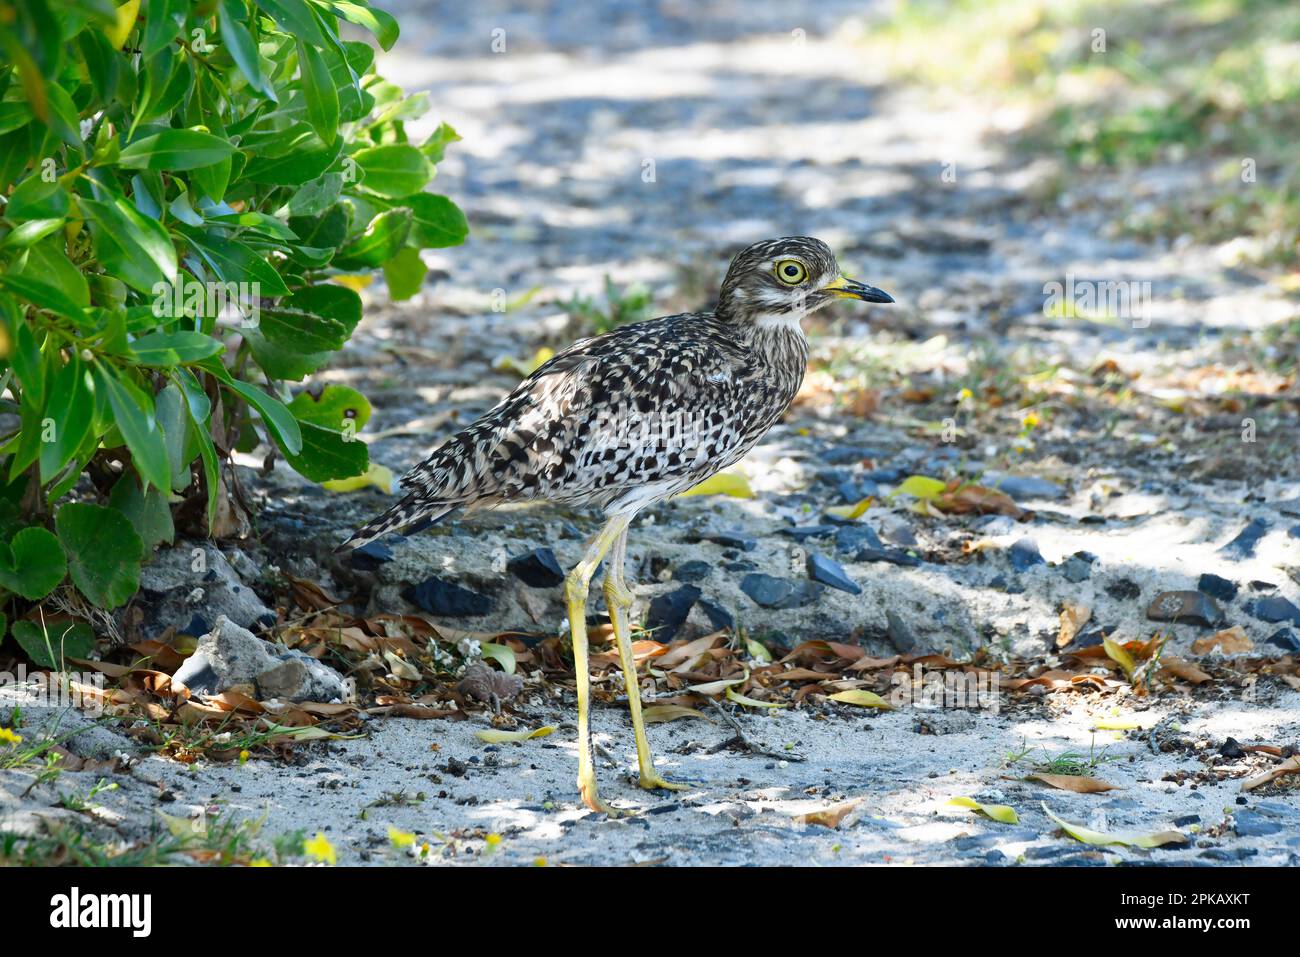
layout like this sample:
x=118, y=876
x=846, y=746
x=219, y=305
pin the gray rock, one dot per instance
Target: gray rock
x=1078, y=567
x=1218, y=587
x=1251, y=824
x=230, y=656
x=1185, y=608
x=830, y=572
x=1285, y=639
x=850, y=538
x=900, y=635
x=668, y=611
x=1024, y=555
x=1273, y=609
x=1022, y=486
x=439, y=596
x=1243, y=546
x=692, y=571
x=537, y=568
x=768, y=591
x=187, y=579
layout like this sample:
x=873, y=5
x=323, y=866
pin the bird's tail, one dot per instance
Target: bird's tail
x=408, y=511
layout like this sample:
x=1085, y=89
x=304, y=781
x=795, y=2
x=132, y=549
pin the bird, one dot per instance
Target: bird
x=627, y=419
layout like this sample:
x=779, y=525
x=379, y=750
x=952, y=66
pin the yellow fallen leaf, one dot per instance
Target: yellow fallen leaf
x=380, y=476
x=1117, y=724
x=1119, y=654
x=524, y=367
x=1290, y=766
x=724, y=483
x=123, y=23
x=920, y=486
x=736, y=696
x=758, y=651
x=1001, y=813
x=503, y=655
x=659, y=713
x=354, y=281
x=495, y=736
x=400, y=838
x=1078, y=783
x=308, y=733
x=865, y=699
x=857, y=510
x=1101, y=838
x=718, y=687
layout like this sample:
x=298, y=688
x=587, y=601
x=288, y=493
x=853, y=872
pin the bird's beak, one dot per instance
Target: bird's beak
x=843, y=287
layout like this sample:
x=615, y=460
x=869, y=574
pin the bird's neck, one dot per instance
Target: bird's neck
x=778, y=344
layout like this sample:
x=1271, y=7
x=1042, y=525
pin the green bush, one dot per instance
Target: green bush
x=192, y=192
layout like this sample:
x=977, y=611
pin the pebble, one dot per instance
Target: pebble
x=853, y=537
x=537, y=568
x=830, y=572
x=1022, y=486
x=1243, y=546
x=1123, y=589
x=668, y=612
x=1251, y=824
x=900, y=635
x=895, y=556
x=768, y=591
x=370, y=556
x=1185, y=608
x=803, y=532
x=719, y=617
x=993, y=525
x=438, y=596
x=1293, y=531
x=1215, y=586
x=733, y=540
x=850, y=455
x=1078, y=567
x=692, y=571
x=1285, y=639
x=1024, y=555
x=1273, y=609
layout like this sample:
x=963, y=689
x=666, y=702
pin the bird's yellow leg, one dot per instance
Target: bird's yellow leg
x=576, y=586
x=619, y=599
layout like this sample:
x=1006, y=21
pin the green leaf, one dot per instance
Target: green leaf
x=70, y=411
x=51, y=644
x=35, y=198
x=147, y=511
x=175, y=150
x=166, y=349
x=319, y=91
x=134, y=416
x=379, y=23
x=163, y=21
x=295, y=18
x=32, y=565
x=393, y=170
x=379, y=243
x=404, y=273
x=29, y=233
x=131, y=247
x=48, y=263
x=103, y=552
x=239, y=42
x=235, y=262
x=169, y=409
x=436, y=145
x=329, y=422
x=436, y=221
x=43, y=295
x=279, y=420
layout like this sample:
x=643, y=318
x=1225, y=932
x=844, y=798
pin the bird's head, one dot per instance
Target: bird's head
x=779, y=281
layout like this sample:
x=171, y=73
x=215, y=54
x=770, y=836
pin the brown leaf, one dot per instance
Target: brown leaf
x=1073, y=618
x=831, y=816
x=1230, y=641
x=1181, y=668
x=1078, y=783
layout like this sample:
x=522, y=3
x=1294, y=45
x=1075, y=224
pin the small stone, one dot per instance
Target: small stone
x=537, y=568
x=849, y=455
x=1285, y=639
x=1293, y=531
x=993, y=526
x=899, y=634
x=1078, y=567
x=1187, y=819
x=733, y=540
x=668, y=612
x=1022, y=486
x=1088, y=639
x=895, y=556
x=1231, y=749
x=1259, y=586
x=1243, y=546
x=719, y=618
x=1273, y=609
x=438, y=596
x=1226, y=854
x=370, y=556
x=850, y=538
x=830, y=572
x=1215, y=586
x=802, y=533
x=692, y=571
x=1024, y=555
x=1124, y=589
x=768, y=591
x=742, y=566
x=1185, y=608
x=1250, y=824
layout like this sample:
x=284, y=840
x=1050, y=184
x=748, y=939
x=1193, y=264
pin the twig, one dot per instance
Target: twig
x=741, y=741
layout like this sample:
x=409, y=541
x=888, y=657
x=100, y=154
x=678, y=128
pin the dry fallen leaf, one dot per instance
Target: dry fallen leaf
x=1002, y=813
x=1078, y=783
x=1230, y=641
x=1089, y=836
x=494, y=736
x=865, y=699
x=1073, y=618
x=1181, y=668
x=658, y=713
x=829, y=817
x=1290, y=766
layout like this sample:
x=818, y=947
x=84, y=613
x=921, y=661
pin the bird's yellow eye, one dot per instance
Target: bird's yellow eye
x=791, y=271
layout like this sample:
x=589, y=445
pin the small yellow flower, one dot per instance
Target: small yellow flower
x=320, y=849
x=493, y=840
x=1031, y=420
x=244, y=755
x=260, y=862
x=9, y=737
x=400, y=838
x=539, y=862
x=965, y=395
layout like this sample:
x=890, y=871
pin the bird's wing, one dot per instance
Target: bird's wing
x=575, y=406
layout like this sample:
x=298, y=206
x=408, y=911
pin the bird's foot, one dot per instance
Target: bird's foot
x=652, y=780
x=593, y=800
